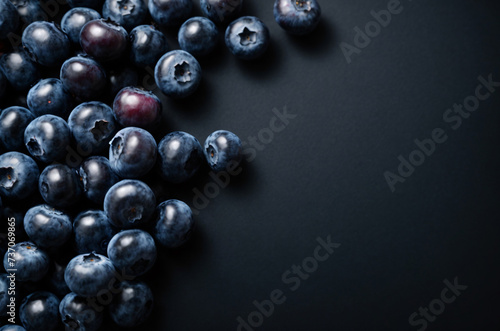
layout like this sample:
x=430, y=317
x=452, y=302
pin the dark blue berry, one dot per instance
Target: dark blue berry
x=47, y=227
x=18, y=175
x=97, y=178
x=132, y=305
x=30, y=11
x=78, y=314
x=13, y=122
x=170, y=13
x=74, y=20
x=88, y=274
x=148, y=44
x=40, y=311
x=83, y=77
x=19, y=69
x=198, y=36
x=247, y=38
x=49, y=96
x=9, y=18
x=178, y=74
x=221, y=11
x=59, y=186
x=47, y=138
x=136, y=107
x=103, y=39
x=46, y=42
x=222, y=150
x=127, y=13
x=92, y=232
x=31, y=263
x=297, y=17
x=174, y=223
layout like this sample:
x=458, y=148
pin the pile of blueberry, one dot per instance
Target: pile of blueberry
x=87, y=230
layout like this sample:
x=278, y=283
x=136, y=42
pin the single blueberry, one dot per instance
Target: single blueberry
x=47, y=227
x=127, y=13
x=221, y=11
x=93, y=231
x=13, y=122
x=136, y=107
x=79, y=314
x=298, y=17
x=148, y=44
x=83, y=77
x=30, y=11
x=132, y=305
x=60, y=186
x=174, y=223
x=88, y=274
x=74, y=20
x=103, y=39
x=40, y=311
x=170, y=13
x=223, y=150
x=198, y=36
x=30, y=262
x=49, y=96
x=18, y=175
x=47, y=43
x=247, y=38
x=97, y=177
x=19, y=69
x=178, y=74
x=47, y=137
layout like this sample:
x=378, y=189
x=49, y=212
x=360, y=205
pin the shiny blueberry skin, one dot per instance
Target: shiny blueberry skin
x=247, y=38
x=298, y=17
x=136, y=107
x=132, y=305
x=93, y=4
x=180, y=156
x=132, y=152
x=198, y=36
x=92, y=124
x=174, y=223
x=92, y=232
x=74, y=20
x=148, y=44
x=13, y=122
x=221, y=11
x=12, y=327
x=19, y=69
x=97, y=178
x=49, y=96
x=170, y=13
x=47, y=227
x=103, y=39
x=178, y=74
x=18, y=175
x=133, y=252
x=77, y=314
x=121, y=78
x=9, y=18
x=222, y=150
x=31, y=263
x=87, y=274
x=40, y=311
x=42, y=141
x=47, y=43
x=129, y=203
x=127, y=13
x=83, y=77
x=59, y=185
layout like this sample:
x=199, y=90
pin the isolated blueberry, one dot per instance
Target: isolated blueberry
x=132, y=152
x=30, y=11
x=297, y=17
x=178, y=74
x=97, y=178
x=120, y=78
x=87, y=274
x=46, y=42
x=18, y=175
x=94, y=4
x=83, y=77
x=136, y=107
x=9, y=18
x=132, y=305
x=19, y=69
x=40, y=311
x=13, y=122
x=222, y=150
x=78, y=314
x=170, y=13
x=129, y=203
x=127, y=13
x=59, y=185
x=30, y=263
x=221, y=11
x=92, y=124
x=133, y=252
x=93, y=231
x=74, y=20
x=12, y=327
x=180, y=156
x=47, y=227
x=174, y=223
x=47, y=138
x=147, y=45
x=247, y=38
x=49, y=96
x=103, y=39
x=198, y=36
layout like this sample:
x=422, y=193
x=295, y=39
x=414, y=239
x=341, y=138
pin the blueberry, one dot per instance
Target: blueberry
x=18, y=175
x=221, y=11
x=132, y=305
x=59, y=186
x=136, y=107
x=223, y=150
x=12, y=327
x=93, y=4
x=40, y=311
x=103, y=39
x=4, y=296
x=49, y=96
x=46, y=42
x=170, y=13
x=57, y=284
x=133, y=252
x=247, y=38
x=74, y=20
x=47, y=227
x=92, y=232
x=19, y=70
x=298, y=17
x=178, y=74
x=174, y=223
x=88, y=274
x=129, y=203
x=127, y=13
x=123, y=77
x=83, y=77
x=180, y=156
x=47, y=138
x=132, y=152
x=97, y=177
x=13, y=122
x=198, y=36
x=77, y=314
x=31, y=263
x=9, y=18
x=30, y=10
x=92, y=124
x=148, y=44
